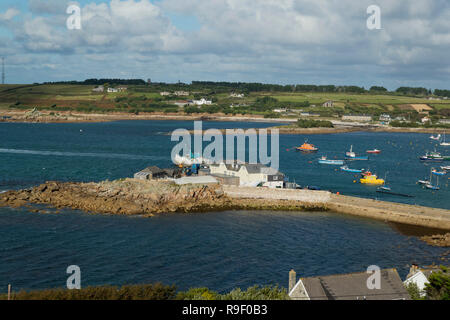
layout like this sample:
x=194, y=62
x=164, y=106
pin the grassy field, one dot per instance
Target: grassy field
x=148, y=99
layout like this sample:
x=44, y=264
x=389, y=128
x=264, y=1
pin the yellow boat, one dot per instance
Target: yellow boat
x=371, y=179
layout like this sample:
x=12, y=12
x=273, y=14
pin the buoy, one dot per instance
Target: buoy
x=338, y=193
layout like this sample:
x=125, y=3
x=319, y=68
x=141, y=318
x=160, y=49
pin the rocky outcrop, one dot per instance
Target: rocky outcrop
x=125, y=197
x=438, y=240
x=143, y=197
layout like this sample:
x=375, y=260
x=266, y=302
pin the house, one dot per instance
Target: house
x=419, y=277
x=444, y=121
x=122, y=89
x=358, y=118
x=425, y=120
x=249, y=174
x=165, y=93
x=155, y=172
x=400, y=118
x=99, y=89
x=201, y=102
x=112, y=90
x=282, y=110
x=181, y=93
x=385, y=118
x=328, y=104
x=351, y=286
x=237, y=95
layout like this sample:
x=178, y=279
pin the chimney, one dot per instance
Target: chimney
x=413, y=270
x=292, y=279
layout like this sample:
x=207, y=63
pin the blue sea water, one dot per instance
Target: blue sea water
x=220, y=250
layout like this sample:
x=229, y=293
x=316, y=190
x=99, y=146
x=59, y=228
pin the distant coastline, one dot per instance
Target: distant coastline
x=19, y=116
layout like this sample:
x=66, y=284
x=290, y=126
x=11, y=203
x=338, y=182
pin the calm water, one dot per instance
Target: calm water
x=218, y=250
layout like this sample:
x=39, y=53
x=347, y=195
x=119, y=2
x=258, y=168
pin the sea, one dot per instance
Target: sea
x=218, y=250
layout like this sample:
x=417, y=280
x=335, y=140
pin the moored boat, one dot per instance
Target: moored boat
x=432, y=156
x=371, y=179
x=307, y=147
x=324, y=160
x=347, y=169
x=438, y=137
x=438, y=173
x=374, y=151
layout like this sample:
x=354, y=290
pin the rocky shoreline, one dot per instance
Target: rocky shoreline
x=138, y=197
x=149, y=198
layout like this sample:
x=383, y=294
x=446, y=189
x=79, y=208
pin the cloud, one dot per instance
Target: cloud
x=294, y=41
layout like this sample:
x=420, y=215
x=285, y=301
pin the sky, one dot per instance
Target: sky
x=268, y=41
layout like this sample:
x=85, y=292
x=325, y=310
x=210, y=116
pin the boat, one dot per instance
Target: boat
x=307, y=147
x=374, y=151
x=371, y=179
x=352, y=156
x=446, y=168
x=438, y=137
x=423, y=182
x=430, y=185
x=324, y=160
x=347, y=169
x=438, y=173
x=350, y=153
x=432, y=156
x=387, y=190
x=366, y=173
x=444, y=144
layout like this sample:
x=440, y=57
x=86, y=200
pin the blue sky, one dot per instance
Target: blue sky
x=271, y=41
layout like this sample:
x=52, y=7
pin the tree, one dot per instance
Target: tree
x=439, y=286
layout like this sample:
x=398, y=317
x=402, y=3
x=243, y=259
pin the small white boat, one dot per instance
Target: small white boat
x=444, y=143
x=446, y=168
x=438, y=137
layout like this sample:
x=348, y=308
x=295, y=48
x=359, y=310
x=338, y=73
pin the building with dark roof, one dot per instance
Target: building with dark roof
x=352, y=286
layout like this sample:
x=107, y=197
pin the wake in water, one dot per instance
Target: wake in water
x=80, y=154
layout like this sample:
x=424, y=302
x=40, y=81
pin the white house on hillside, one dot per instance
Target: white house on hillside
x=250, y=174
x=202, y=101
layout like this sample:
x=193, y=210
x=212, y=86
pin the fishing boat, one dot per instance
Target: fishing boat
x=438, y=173
x=372, y=179
x=423, y=182
x=444, y=144
x=374, y=151
x=347, y=169
x=432, y=156
x=366, y=173
x=307, y=147
x=350, y=153
x=324, y=160
x=438, y=137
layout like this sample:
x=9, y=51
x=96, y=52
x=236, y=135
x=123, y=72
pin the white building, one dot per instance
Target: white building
x=385, y=118
x=202, y=101
x=164, y=93
x=280, y=110
x=181, y=93
x=425, y=120
x=250, y=174
x=99, y=89
x=112, y=90
x=328, y=104
x=237, y=95
x=359, y=118
x=419, y=277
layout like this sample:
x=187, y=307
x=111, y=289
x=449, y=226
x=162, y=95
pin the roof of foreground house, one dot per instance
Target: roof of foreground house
x=353, y=286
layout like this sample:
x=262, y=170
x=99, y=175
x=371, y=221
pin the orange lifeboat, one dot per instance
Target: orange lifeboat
x=307, y=147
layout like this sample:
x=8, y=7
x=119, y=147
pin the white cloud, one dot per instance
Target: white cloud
x=296, y=40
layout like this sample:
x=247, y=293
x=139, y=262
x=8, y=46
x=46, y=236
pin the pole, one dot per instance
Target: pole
x=9, y=292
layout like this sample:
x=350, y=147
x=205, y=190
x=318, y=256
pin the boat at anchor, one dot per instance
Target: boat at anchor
x=324, y=160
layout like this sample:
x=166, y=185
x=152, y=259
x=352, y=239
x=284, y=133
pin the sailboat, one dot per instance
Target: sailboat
x=443, y=143
x=352, y=156
x=430, y=185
